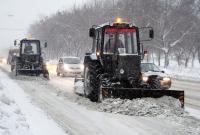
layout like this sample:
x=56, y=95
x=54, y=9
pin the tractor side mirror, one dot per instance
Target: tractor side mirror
x=15, y=42
x=92, y=32
x=151, y=33
x=146, y=33
x=45, y=44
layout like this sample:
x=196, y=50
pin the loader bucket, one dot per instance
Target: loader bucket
x=131, y=93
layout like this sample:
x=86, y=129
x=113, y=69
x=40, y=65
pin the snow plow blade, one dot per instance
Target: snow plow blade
x=131, y=93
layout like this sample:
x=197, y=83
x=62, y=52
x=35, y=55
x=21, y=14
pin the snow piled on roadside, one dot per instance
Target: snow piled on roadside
x=12, y=121
x=191, y=74
x=18, y=116
x=180, y=72
x=78, y=87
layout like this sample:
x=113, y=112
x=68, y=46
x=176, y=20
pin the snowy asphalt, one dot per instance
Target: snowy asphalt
x=76, y=116
x=192, y=92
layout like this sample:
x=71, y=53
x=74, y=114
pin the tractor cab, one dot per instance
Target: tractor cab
x=117, y=45
x=118, y=38
x=113, y=68
x=30, y=47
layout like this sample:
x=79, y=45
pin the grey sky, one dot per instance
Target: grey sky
x=17, y=15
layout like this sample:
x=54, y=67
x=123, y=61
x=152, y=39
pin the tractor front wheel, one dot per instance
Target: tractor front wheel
x=92, y=83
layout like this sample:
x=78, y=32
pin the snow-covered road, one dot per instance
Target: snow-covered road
x=192, y=92
x=18, y=116
x=79, y=119
x=56, y=97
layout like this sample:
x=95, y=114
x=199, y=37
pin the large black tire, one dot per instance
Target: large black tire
x=155, y=84
x=17, y=66
x=16, y=69
x=92, y=81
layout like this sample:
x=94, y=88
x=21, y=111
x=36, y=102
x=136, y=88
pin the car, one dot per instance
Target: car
x=3, y=60
x=69, y=66
x=150, y=69
x=51, y=65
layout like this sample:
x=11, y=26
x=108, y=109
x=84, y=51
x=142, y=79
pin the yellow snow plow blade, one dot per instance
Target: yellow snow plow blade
x=131, y=93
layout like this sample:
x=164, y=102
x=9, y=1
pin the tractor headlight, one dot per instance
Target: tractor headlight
x=145, y=78
x=121, y=71
x=166, y=79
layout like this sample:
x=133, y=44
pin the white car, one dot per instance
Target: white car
x=69, y=66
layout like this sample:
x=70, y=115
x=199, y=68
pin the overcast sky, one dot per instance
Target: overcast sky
x=17, y=15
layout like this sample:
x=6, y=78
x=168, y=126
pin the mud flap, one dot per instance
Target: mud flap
x=131, y=93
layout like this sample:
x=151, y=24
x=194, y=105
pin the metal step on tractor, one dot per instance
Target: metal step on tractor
x=113, y=68
x=30, y=60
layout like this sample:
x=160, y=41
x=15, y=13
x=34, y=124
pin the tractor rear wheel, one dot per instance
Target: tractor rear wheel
x=16, y=69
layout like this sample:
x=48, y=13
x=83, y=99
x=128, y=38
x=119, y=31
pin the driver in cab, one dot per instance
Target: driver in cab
x=28, y=49
x=113, y=44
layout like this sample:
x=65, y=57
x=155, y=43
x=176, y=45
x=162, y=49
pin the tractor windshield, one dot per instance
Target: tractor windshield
x=30, y=47
x=120, y=40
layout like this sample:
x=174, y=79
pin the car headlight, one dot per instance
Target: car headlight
x=82, y=66
x=145, y=78
x=66, y=67
x=4, y=60
x=166, y=79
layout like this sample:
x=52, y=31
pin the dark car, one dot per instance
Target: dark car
x=150, y=69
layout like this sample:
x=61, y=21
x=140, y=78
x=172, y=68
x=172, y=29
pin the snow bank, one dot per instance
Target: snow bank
x=181, y=73
x=78, y=87
x=143, y=107
x=12, y=121
x=18, y=116
x=5, y=100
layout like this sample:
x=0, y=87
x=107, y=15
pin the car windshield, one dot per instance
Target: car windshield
x=72, y=61
x=120, y=40
x=149, y=67
x=30, y=47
